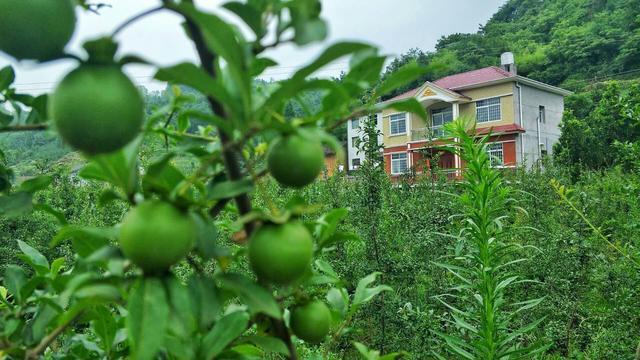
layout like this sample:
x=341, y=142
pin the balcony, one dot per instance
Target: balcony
x=427, y=133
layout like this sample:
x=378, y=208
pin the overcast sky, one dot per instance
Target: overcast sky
x=394, y=26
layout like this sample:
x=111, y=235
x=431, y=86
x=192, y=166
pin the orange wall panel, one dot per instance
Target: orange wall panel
x=509, y=152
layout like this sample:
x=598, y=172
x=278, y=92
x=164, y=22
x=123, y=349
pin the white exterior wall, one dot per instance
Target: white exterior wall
x=537, y=133
x=352, y=151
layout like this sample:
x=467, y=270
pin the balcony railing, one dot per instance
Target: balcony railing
x=431, y=133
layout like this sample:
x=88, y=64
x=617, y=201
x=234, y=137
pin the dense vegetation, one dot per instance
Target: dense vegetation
x=562, y=287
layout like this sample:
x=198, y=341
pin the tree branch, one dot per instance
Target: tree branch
x=47, y=340
x=135, y=18
x=18, y=128
x=231, y=158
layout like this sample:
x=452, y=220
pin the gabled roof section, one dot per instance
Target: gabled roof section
x=432, y=88
x=491, y=75
x=473, y=77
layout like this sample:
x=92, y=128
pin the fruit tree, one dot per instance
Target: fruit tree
x=258, y=283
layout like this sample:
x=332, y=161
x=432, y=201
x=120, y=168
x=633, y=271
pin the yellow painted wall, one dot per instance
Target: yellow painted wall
x=395, y=140
x=507, y=106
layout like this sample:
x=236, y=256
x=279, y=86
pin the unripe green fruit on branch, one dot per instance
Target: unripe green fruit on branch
x=311, y=322
x=295, y=161
x=281, y=254
x=155, y=235
x=97, y=109
x=36, y=29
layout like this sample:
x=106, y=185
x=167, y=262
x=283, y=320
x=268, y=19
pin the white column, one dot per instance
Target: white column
x=456, y=159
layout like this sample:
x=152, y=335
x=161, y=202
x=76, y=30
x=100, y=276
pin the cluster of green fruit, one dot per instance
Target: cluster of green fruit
x=97, y=109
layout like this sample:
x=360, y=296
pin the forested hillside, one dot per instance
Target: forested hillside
x=568, y=43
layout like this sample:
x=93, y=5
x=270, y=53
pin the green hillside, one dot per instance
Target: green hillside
x=569, y=43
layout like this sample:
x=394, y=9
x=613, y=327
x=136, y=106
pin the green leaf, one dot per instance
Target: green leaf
x=207, y=241
x=35, y=184
x=227, y=329
x=119, y=168
x=14, y=279
x=39, y=110
x=229, y=189
x=34, y=258
x=162, y=176
x=98, y=293
x=410, y=105
x=338, y=299
x=225, y=41
x=148, y=318
x=46, y=208
x=104, y=326
x=86, y=240
x=331, y=54
x=406, y=74
x=206, y=300
x=257, y=298
x=193, y=76
x=306, y=22
x=56, y=267
x=328, y=223
x=7, y=76
x=43, y=318
x=5, y=118
x=364, y=293
x=15, y=204
x=249, y=14
x=310, y=31
x=269, y=344
x=183, y=309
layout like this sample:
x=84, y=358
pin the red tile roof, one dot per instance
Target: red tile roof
x=473, y=77
x=406, y=94
x=463, y=79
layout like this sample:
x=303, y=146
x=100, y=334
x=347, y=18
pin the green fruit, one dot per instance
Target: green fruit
x=281, y=254
x=155, y=235
x=97, y=109
x=311, y=322
x=296, y=161
x=36, y=29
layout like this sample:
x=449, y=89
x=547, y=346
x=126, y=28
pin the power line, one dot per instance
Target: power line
x=273, y=68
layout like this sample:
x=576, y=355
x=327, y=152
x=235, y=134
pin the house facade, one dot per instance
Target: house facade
x=523, y=116
x=355, y=131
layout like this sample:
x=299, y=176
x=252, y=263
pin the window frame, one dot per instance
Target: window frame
x=492, y=158
x=354, y=166
x=442, y=112
x=353, y=143
x=391, y=121
x=542, y=114
x=406, y=161
x=488, y=107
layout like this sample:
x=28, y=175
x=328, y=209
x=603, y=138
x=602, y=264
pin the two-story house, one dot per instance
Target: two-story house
x=522, y=114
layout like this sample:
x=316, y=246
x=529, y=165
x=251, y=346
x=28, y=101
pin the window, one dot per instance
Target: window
x=355, y=164
x=355, y=141
x=399, y=163
x=355, y=124
x=496, y=154
x=488, y=110
x=398, y=124
x=439, y=117
x=542, y=115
